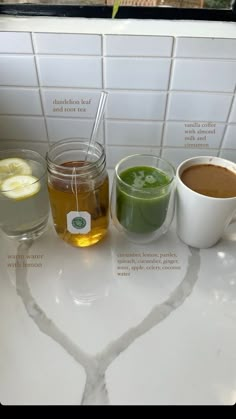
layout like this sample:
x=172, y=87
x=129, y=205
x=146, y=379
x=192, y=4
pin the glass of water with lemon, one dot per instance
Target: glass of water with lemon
x=24, y=204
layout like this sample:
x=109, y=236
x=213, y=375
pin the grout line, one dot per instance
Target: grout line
x=103, y=88
x=172, y=58
x=84, y=118
x=73, y=56
x=139, y=57
x=15, y=140
x=147, y=144
x=12, y=115
x=16, y=86
x=176, y=121
x=136, y=120
x=226, y=123
x=32, y=43
x=116, y=89
x=15, y=54
x=123, y=146
x=123, y=57
x=69, y=33
x=144, y=89
x=12, y=87
x=181, y=91
x=164, y=147
x=119, y=120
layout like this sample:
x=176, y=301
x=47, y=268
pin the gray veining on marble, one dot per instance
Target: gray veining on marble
x=95, y=367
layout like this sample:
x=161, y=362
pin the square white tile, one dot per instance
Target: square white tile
x=230, y=137
x=40, y=147
x=136, y=105
x=20, y=101
x=228, y=155
x=70, y=103
x=15, y=42
x=198, y=106
x=137, y=73
x=61, y=43
x=133, y=133
x=232, y=116
x=22, y=128
x=59, y=129
x=142, y=46
x=115, y=154
x=193, y=134
x=178, y=155
x=205, y=48
x=17, y=70
x=203, y=75
x=70, y=71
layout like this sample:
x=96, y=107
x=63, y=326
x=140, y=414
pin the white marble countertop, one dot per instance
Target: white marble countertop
x=74, y=331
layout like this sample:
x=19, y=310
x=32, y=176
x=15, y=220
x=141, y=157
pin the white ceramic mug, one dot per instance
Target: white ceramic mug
x=201, y=220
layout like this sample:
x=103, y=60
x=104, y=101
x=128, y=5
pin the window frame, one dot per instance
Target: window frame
x=124, y=12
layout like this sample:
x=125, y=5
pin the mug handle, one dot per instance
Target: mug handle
x=233, y=219
x=230, y=236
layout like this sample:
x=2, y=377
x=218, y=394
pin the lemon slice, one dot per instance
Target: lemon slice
x=20, y=187
x=13, y=166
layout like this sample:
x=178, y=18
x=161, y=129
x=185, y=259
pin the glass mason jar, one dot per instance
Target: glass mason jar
x=78, y=191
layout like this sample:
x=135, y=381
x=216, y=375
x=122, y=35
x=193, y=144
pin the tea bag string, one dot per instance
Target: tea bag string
x=74, y=188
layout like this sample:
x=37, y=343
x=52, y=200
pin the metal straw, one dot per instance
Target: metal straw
x=97, y=121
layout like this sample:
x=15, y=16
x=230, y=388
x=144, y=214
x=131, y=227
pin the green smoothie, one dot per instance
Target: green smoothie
x=142, y=200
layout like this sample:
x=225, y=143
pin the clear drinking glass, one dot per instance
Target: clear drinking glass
x=78, y=191
x=142, y=201
x=24, y=204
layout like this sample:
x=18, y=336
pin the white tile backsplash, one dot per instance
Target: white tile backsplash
x=15, y=100
x=17, y=70
x=177, y=155
x=59, y=129
x=228, y=155
x=136, y=105
x=40, y=147
x=70, y=103
x=22, y=128
x=193, y=134
x=230, y=137
x=174, y=96
x=70, y=71
x=139, y=46
x=15, y=42
x=133, y=133
x=115, y=154
x=137, y=73
x=198, y=106
x=60, y=43
x=203, y=75
x=205, y=48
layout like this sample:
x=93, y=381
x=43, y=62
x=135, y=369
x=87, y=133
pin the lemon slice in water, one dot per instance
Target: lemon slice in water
x=20, y=187
x=13, y=166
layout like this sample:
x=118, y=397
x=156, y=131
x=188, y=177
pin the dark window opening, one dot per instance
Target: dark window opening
x=218, y=10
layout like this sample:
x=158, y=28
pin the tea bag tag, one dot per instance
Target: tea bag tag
x=78, y=222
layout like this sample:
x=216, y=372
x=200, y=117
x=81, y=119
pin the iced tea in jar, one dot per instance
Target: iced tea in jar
x=78, y=191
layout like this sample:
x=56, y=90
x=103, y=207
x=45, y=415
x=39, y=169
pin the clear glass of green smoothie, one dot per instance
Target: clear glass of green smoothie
x=142, y=201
